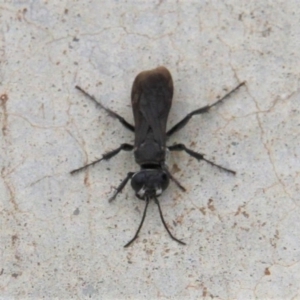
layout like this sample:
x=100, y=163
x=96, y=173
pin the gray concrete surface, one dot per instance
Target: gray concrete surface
x=61, y=239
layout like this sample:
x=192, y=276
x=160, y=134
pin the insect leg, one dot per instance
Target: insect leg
x=121, y=186
x=106, y=156
x=140, y=226
x=199, y=156
x=163, y=221
x=110, y=112
x=165, y=168
x=201, y=110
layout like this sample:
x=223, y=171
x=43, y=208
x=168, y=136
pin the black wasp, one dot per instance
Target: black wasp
x=151, y=99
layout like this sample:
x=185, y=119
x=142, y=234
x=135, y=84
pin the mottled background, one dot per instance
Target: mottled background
x=60, y=238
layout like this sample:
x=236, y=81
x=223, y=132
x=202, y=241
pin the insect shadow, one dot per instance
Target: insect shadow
x=151, y=99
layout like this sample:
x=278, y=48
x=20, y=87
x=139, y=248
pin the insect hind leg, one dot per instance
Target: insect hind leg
x=199, y=111
x=110, y=112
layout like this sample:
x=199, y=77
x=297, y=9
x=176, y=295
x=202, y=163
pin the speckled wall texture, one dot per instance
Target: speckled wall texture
x=61, y=239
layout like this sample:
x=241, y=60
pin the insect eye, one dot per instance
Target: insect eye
x=138, y=181
x=164, y=180
x=164, y=177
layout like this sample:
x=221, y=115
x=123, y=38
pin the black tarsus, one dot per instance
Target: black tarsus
x=198, y=156
x=106, y=156
x=110, y=112
x=140, y=226
x=198, y=111
x=163, y=221
x=121, y=186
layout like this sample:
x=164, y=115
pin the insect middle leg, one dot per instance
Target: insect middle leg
x=106, y=156
x=110, y=112
x=199, y=156
x=199, y=111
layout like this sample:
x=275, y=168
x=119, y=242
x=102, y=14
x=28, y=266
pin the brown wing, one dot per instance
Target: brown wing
x=151, y=98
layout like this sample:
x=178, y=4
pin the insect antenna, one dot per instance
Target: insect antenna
x=141, y=224
x=163, y=221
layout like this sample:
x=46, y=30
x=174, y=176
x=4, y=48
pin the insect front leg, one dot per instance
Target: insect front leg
x=199, y=156
x=121, y=186
x=106, y=156
x=199, y=111
x=165, y=168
